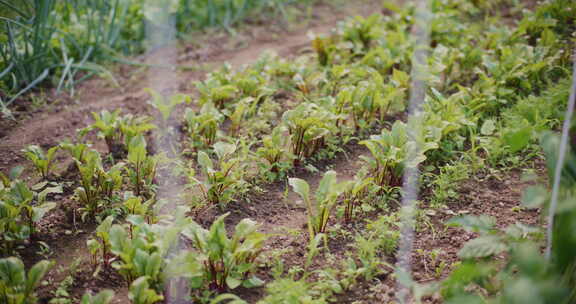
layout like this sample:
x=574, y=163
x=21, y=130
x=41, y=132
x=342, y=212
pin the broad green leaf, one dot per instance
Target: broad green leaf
x=488, y=127
x=482, y=247
x=301, y=187
x=472, y=223
x=232, y=282
x=205, y=161
x=517, y=140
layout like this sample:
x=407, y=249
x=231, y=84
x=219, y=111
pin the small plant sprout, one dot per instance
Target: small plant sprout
x=166, y=105
x=326, y=196
x=42, y=160
x=217, y=261
x=225, y=180
x=97, y=185
x=118, y=130
x=141, y=167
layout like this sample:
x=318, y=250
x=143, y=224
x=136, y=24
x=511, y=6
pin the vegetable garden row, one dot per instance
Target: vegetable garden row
x=497, y=91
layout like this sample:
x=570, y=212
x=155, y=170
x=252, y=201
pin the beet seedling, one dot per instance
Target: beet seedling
x=141, y=167
x=118, y=130
x=224, y=182
x=220, y=262
x=16, y=285
x=326, y=195
x=42, y=160
x=96, y=184
x=203, y=126
x=308, y=125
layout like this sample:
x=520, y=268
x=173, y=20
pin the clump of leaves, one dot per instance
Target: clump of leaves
x=41, y=160
x=100, y=247
x=118, y=130
x=141, y=167
x=141, y=293
x=390, y=154
x=326, y=196
x=222, y=181
x=273, y=150
x=16, y=285
x=218, y=262
x=203, y=127
x=308, y=125
x=354, y=194
x=103, y=297
x=141, y=248
x=97, y=185
x=21, y=208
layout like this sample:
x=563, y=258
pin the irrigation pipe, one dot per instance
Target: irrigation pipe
x=560, y=163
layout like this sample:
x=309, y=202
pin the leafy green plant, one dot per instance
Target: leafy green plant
x=97, y=185
x=389, y=151
x=327, y=194
x=21, y=208
x=42, y=160
x=141, y=167
x=77, y=151
x=103, y=297
x=203, y=126
x=354, y=194
x=141, y=293
x=308, y=125
x=222, y=183
x=118, y=130
x=362, y=31
x=217, y=261
x=16, y=285
x=273, y=150
x=100, y=246
x=141, y=249
x=165, y=107
x=290, y=291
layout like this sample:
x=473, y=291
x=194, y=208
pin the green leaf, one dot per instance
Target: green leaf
x=252, y=282
x=488, y=127
x=301, y=187
x=472, y=223
x=205, y=161
x=35, y=275
x=223, y=149
x=534, y=196
x=517, y=140
x=232, y=282
x=482, y=247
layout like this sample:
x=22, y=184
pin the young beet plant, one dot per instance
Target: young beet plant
x=20, y=209
x=41, y=160
x=118, y=130
x=389, y=151
x=97, y=185
x=203, y=127
x=320, y=209
x=141, y=167
x=217, y=261
x=308, y=125
x=274, y=151
x=222, y=183
x=16, y=285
